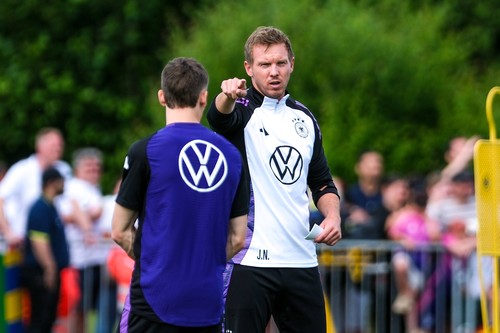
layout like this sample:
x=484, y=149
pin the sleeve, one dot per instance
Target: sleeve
x=10, y=184
x=319, y=178
x=37, y=221
x=225, y=124
x=135, y=177
x=242, y=198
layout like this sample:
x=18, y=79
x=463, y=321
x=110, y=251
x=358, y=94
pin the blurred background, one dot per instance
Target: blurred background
x=400, y=77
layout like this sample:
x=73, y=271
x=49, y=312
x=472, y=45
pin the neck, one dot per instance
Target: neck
x=49, y=196
x=369, y=186
x=183, y=115
x=44, y=164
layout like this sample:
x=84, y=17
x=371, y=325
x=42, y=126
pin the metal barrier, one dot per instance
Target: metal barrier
x=97, y=298
x=359, y=285
x=359, y=281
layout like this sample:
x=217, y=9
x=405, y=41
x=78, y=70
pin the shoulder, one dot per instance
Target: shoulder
x=64, y=168
x=295, y=104
x=141, y=143
x=219, y=138
x=300, y=107
x=21, y=173
x=221, y=143
x=137, y=149
x=24, y=165
x=40, y=207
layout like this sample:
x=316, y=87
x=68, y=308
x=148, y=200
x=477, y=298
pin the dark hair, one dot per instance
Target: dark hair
x=391, y=178
x=182, y=81
x=418, y=191
x=362, y=154
x=267, y=36
x=49, y=175
x=465, y=176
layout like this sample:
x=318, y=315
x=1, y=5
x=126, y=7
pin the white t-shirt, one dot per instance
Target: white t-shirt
x=89, y=198
x=21, y=186
x=449, y=210
x=104, y=227
x=282, y=145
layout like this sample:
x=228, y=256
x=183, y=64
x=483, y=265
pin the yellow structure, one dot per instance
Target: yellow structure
x=330, y=325
x=487, y=187
x=11, y=304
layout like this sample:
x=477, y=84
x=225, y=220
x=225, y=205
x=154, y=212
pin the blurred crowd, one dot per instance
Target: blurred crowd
x=414, y=211
x=92, y=281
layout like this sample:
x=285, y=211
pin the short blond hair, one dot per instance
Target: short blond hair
x=267, y=36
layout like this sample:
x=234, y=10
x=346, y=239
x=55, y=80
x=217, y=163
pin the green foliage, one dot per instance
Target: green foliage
x=83, y=66
x=478, y=24
x=381, y=75
x=399, y=77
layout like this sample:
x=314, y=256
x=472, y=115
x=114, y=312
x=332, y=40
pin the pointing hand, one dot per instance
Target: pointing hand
x=234, y=88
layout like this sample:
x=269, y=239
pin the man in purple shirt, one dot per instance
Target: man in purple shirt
x=183, y=186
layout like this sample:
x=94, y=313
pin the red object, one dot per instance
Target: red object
x=70, y=291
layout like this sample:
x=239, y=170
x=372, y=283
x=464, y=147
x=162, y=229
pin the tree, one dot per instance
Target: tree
x=375, y=76
x=83, y=66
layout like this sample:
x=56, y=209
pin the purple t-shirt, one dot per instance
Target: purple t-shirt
x=184, y=181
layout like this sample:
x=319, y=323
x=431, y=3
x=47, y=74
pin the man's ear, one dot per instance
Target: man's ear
x=248, y=68
x=161, y=98
x=202, y=100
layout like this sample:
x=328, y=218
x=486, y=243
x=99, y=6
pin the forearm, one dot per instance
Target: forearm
x=12, y=239
x=78, y=217
x=125, y=239
x=4, y=224
x=329, y=206
x=43, y=254
x=224, y=104
x=95, y=213
x=123, y=230
x=461, y=161
x=236, y=235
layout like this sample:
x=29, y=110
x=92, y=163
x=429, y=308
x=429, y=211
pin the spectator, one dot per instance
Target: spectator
x=21, y=185
x=355, y=316
x=45, y=254
x=183, y=186
x=81, y=208
x=458, y=156
x=364, y=197
x=395, y=194
x=457, y=217
x=281, y=143
x=413, y=264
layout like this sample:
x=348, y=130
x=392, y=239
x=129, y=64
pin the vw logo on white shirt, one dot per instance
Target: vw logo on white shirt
x=202, y=166
x=286, y=164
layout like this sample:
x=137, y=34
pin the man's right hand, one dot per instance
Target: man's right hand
x=234, y=88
